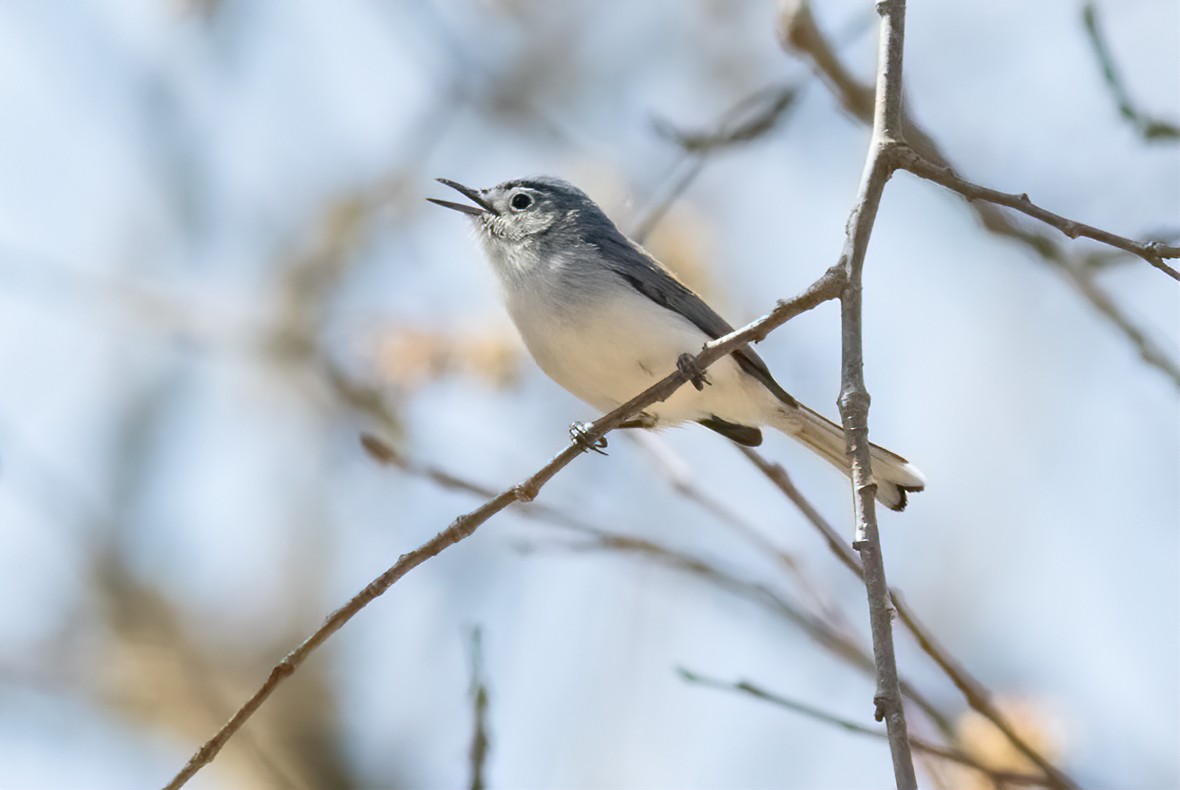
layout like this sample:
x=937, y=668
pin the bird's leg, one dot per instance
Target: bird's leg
x=579, y=434
x=687, y=364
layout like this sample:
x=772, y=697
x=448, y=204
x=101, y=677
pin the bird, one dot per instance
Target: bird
x=605, y=320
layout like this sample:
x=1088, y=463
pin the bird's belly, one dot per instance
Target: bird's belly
x=609, y=354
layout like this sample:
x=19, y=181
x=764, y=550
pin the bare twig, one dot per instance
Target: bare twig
x=825, y=288
x=1152, y=252
x=953, y=755
x=854, y=396
x=1103, y=258
x=751, y=118
x=799, y=34
x=1150, y=128
x=973, y=691
x=479, y=704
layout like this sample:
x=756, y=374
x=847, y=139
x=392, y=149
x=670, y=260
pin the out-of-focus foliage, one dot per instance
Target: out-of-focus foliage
x=985, y=743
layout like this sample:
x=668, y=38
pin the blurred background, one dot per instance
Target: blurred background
x=217, y=269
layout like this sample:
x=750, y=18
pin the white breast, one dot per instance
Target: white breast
x=609, y=348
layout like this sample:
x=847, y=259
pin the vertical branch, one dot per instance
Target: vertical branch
x=854, y=395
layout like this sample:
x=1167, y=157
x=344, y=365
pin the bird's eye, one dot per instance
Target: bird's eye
x=520, y=201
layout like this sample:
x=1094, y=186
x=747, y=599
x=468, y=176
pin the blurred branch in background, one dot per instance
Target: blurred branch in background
x=479, y=711
x=813, y=620
x=800, y=36
x=749, y=119
x=973, y=691
x=130, y=646
x=825, y=634
x=1149, y=127
x=679, y=476
x=995, y=776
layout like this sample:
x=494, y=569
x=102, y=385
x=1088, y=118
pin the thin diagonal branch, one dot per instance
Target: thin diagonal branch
x=676, y=472
x=1153, y=252
x=953, y=755
x=751, y=118
x=1084, y=280
x=973, y=691
x=854, y=396
x=1150, y=128
x=825, y=288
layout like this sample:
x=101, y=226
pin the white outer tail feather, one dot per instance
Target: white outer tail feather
x=895, y=475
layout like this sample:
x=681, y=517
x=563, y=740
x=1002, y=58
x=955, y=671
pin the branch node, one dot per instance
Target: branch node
x=868, y=489
x=524, y=493
x=854, y=402
x=893, y=152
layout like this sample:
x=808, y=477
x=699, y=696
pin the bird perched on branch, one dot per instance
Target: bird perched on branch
x=606, y=321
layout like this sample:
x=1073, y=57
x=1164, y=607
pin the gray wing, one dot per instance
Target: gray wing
x=647, y=277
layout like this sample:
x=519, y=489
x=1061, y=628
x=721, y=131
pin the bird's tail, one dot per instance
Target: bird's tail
x=895, y=475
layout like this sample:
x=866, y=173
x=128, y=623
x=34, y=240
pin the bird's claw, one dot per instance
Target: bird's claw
x=580, y=435
x=687, y=364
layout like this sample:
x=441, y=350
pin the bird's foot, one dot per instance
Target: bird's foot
x=687, y=364
x=580, y=435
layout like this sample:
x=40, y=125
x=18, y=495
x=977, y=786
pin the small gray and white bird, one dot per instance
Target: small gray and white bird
x=606, y=321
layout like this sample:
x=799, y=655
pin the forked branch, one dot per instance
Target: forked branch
x=800, y=35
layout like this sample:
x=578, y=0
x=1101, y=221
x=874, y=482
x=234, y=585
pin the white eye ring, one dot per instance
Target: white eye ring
x=520, y=201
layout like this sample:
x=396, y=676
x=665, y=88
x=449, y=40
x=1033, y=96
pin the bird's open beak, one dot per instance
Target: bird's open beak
x=473, y=195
